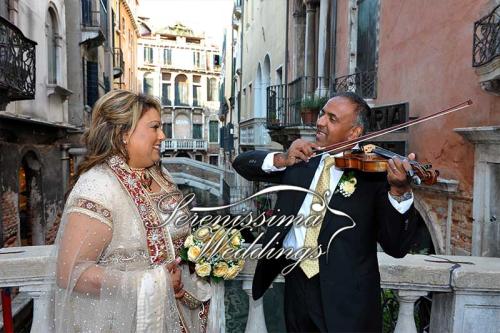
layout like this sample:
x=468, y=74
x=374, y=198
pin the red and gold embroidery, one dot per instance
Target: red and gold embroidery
x=158, y=240
x=94, y=210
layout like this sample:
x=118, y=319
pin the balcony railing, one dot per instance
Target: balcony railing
x=90, y=15
x=237, y=8
x=118, y=63
x=284, y=102
x=17, y=64
x=184, y=144
x=363, y=83
x=486, y=38
x=471, y=285
x=94, y=21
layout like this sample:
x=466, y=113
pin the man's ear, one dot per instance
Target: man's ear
x=355, y=133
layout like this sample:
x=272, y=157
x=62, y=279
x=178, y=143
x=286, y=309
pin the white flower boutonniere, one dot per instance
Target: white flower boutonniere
x=347, y=184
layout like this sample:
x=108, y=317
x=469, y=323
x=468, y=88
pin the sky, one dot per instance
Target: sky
x=210, y=16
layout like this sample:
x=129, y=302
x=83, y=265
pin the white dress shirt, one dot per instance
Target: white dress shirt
x=295, y=237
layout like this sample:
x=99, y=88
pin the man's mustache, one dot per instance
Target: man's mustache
x=321, y=130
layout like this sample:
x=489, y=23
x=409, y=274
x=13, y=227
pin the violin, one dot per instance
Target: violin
x=372, y=158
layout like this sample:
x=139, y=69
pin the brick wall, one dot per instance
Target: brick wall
x=10, y=218
x=461, y=227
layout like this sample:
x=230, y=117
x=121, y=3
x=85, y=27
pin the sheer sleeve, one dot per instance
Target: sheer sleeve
x=94, y=295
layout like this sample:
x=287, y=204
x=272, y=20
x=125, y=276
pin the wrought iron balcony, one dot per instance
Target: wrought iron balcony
x=363, y=83
x=17, y=64
x=94, y=22
x=487, y=38
x=486, y=51
x=118, y=63
x=237, y=9
x=286, y=102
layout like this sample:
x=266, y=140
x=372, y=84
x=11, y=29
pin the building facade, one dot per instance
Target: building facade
x=125, y=35
x=229, y=113
x=34, y=119
x=182, y=69
x=90, y=52
x=262, y=65
x=409, y=60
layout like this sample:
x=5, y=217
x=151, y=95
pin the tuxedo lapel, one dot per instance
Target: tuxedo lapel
x=338, y=202
x=302, y=176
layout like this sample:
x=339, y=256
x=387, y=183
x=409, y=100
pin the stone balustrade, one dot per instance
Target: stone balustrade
x=184, y=144
x=466, y=290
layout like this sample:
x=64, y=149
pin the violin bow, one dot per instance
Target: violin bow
x=341, y=146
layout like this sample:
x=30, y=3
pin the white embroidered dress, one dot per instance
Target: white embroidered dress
x=135, y=295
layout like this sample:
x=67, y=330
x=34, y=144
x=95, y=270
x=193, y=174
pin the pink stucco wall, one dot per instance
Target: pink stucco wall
x=425, y=58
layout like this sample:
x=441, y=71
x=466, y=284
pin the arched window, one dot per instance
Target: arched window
x=148, y=82
x=52, y=45
x=212, y=89
x=181, y=90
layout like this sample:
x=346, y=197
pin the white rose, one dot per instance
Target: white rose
x=203, y=269
x=193, y=253
x=189, y=241
x=220, y=269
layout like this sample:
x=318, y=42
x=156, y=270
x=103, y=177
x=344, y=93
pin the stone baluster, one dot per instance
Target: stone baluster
x=256, y=322
x=406, y=319
x=42, y=315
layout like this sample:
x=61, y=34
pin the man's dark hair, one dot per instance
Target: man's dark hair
x=362, y=110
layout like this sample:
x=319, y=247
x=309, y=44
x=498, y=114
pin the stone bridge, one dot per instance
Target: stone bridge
x=204, y=176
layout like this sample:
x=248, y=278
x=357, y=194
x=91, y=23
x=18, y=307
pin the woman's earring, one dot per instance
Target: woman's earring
x=125, y=141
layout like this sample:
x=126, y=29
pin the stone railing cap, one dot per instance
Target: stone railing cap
x=413, y=272
x=24, y=265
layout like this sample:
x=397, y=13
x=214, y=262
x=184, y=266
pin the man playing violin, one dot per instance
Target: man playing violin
x=340, y=291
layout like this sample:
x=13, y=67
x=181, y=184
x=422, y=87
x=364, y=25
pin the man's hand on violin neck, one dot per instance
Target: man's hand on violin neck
x=300, y=150
x=397, y=175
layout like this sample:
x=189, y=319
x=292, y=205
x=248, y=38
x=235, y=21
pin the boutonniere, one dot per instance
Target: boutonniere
x=347, y=184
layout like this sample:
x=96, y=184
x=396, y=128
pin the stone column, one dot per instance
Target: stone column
x=256, y=322
x=322, y=87
x=65, y=166
x=406, y=319
x=13, y=11
x=298, y=40
x=310, y=51
x=79, y=153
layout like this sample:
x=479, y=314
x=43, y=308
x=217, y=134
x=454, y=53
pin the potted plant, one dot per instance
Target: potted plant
x=310, y=107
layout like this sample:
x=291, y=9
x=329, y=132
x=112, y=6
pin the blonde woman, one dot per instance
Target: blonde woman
x=116, y=268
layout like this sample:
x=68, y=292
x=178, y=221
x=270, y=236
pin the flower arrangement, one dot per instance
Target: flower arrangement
x=207, y=247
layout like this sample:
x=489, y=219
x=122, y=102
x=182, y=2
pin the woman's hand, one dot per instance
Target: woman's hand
x=180, y=294
x=175, y=277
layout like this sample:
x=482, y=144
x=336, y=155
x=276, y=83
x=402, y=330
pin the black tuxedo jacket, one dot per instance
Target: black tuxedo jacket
x=350, y=279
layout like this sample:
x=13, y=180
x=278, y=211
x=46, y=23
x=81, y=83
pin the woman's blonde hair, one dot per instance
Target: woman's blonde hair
x=113, y=115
